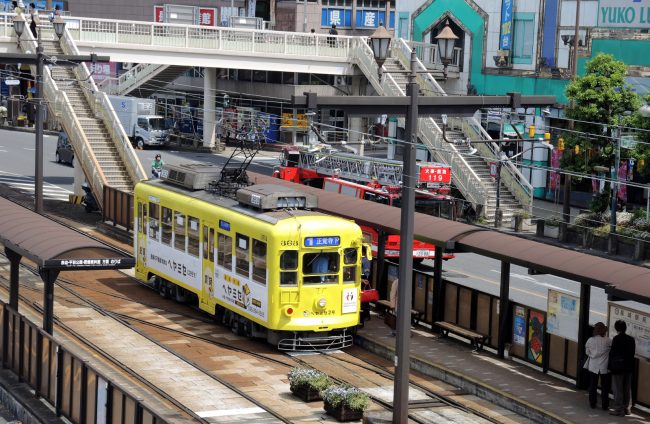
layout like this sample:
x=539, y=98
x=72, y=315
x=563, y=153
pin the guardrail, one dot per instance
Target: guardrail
x=101, y=105
x=129, y=79
x=233, y=40
x=69, y=383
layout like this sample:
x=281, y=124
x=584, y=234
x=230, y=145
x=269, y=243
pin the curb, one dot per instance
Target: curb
x=27, y=130
x=470, y=385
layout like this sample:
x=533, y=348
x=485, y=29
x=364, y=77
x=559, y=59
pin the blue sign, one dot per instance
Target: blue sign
x=322, y=241
x=224, y=225
x=338, y=17
x=373, y=18
x=505, y=40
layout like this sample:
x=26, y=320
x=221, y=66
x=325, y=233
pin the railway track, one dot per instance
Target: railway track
x=340, y=366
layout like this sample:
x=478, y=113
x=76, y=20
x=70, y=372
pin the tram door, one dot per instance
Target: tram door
x=141, y=236
x=207, y=290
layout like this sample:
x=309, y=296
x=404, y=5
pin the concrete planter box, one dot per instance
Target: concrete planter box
x=553, y=232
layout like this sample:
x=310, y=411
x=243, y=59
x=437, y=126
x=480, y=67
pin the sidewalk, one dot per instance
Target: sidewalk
x=505, y=383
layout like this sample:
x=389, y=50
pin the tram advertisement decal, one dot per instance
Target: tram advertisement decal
x=175, y=264
x=244, y=295
x=638, y=326
x=536, y=324
x=349, y=300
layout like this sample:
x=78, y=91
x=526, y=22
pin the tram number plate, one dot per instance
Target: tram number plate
x=421, y=253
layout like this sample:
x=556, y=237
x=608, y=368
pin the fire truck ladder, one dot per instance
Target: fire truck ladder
x=233, y=174
x=353, y=167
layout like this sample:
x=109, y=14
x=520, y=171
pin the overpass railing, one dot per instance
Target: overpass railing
x=240, y=41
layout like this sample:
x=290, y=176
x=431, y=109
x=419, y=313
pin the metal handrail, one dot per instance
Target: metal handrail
x=130, y=78
x=70, y=123
x=101, y=105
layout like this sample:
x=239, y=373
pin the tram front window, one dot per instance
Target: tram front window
x=318, y=268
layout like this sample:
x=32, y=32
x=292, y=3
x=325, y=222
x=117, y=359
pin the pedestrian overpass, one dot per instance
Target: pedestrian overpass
x=103, y=149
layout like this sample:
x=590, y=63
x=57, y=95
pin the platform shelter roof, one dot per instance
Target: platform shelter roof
x=618, y=278
x=52, y=245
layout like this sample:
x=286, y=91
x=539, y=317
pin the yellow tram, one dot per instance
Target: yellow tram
x=264, y=263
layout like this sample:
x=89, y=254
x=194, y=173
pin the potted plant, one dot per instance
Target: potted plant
x=552, y=227
x=345, y=403
x=308, y=383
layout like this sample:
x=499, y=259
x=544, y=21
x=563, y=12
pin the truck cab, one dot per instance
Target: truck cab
x=151, y=131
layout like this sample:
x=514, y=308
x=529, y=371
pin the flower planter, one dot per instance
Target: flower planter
x=342, y=413
x=551, y=231
x=306, y=393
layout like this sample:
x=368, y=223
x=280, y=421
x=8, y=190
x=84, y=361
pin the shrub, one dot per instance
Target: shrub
x=624, y=218
x=641, y=224
x=601, y=201
x=308, y=377
x=553, y=221
x=349, y=397
x=592, y=219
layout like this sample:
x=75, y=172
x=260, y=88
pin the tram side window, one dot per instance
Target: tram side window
x=208, y=243
x=211, y=246
x=349, y=265
x=259, y=261
x=205, y=242
x=166, y=221
x=242, y=260
x=288, y=265
x=224, y=251
x=179, y=231
x=193, y=236
x=154, y=214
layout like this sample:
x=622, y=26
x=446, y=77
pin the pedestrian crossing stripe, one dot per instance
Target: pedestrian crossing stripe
x=25, y=184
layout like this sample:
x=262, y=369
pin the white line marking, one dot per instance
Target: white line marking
x=228, y=412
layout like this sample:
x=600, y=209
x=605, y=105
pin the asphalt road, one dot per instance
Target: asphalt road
x=471, y=270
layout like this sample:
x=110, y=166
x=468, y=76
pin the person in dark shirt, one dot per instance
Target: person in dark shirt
x=332, y=40
x=621, y=366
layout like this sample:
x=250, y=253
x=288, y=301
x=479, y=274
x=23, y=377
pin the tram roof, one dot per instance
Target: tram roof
x=617, y=278
x=272, y=217
x=52, y=245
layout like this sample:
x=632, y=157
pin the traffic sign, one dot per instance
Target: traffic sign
x=493, y=169
x=435, y=174
x=12, y=82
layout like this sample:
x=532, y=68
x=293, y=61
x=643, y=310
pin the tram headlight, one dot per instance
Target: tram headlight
x=322, y=303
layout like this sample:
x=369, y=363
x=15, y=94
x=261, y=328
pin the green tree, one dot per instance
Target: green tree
x=599, y=101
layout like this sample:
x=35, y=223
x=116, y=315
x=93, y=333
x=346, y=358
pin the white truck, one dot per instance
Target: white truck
x=141, y=124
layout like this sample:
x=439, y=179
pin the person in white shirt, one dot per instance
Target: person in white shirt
x=597, y=350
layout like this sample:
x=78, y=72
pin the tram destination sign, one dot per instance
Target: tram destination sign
x=322, y=241
x=624, y=13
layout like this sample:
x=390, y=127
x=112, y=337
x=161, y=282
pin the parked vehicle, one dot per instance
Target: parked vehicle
x=141, y=124
x=64, y=152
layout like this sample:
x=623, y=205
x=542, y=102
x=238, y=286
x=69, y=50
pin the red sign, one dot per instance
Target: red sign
x=159, y=14
x=207, y=16
x=435, y=174
x=102, y=70
x=493, y=169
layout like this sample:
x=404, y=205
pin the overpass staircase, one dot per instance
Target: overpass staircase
x=101, y=147
x=142, y=80
x=470, y=174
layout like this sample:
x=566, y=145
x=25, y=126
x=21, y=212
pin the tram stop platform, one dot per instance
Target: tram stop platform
x=507, y=383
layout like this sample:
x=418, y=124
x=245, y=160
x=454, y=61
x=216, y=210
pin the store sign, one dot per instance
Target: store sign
x=300, y=121
x=624, y=13
x=159, y=14
x=368, y=18
x=338, y=17
x=435, y=174
x=102, y=71
x=207, y=16
x=505, y=39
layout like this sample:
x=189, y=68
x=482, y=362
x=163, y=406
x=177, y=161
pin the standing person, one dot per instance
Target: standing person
x=35, y=20
x=19, y=7
x=3, y=113
x=621, y=365
x=56, y=12
x=332, y=40
x=597, y=349
x=157, y=166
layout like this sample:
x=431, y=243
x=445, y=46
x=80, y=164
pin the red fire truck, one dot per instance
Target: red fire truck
x=322, y=170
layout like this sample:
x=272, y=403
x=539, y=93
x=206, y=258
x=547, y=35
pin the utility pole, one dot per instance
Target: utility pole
x=566, y=202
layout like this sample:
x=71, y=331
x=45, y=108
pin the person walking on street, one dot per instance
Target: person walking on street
x=3, y=113
x=597, y=349
x=621, y=366
x=157, y=166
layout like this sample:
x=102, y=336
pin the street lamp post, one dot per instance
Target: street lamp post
x=446, y=43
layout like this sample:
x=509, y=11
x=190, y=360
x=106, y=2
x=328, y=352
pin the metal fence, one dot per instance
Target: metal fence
x=68, y=383
x=118, y=208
